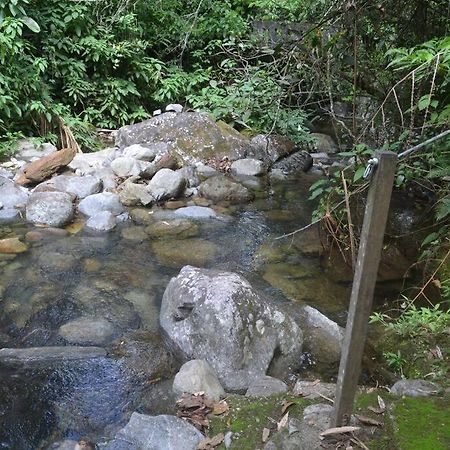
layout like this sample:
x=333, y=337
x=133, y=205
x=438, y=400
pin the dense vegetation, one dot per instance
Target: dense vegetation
x=378, y=71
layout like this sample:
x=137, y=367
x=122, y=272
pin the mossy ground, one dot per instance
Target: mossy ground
x=408, y=423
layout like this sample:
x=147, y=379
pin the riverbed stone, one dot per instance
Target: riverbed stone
x=133, y=194
x=324, y=143
x=248, y=167
x=44, y=356
x=220, y=188
x=156, y=433
x=125, y=166
x=78, y=186
x=415, y=388
x=104, y=201
x=102, y=221
x=196, y=212
x=141, y=152
x=201, y=306
x=177, y=253
x=270, y=148
x=9, y=215
x=145, y=305
x=11, y=195
x=300, y=161
x=142, y=216
x=266, y=386
x=314, y=389
x=12, y=246
x=88, y=163
x=87, y=331
x=179, y=228
x=136, y=234
x=198, y=376
x=166, y=184
x=50, y=208
x=55, y=261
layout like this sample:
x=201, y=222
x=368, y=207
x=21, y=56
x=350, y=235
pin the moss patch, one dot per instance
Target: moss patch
x=248, y=417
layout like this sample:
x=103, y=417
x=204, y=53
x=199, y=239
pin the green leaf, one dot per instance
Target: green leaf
x=31, y=24
x=430, y=238
x=443, y=209
x=358, y=173
x=424, y=102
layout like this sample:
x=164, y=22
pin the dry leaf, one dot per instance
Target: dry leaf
x=283, y=422
x=338, y=430
x=286, y=405
x=211, y=443
x=220, y=408
x=376, y=410
x=437, y=283
x=368, y=421
x=381, y=403
x=265, y=434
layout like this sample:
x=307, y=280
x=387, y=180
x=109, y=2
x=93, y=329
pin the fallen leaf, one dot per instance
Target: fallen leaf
x=265, y=434
x=376, y=410
x=220, y=408
x=286, y=405
x=369, y=421
x=381, y=403
x=437, y=283
x=210, y=443
x=283, y=422
x=338, y=430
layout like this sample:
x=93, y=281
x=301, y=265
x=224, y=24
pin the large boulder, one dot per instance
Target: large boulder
x=222, y=188
x=217, y=316
x=156, y=433
x=50, y=208
x=192, y=137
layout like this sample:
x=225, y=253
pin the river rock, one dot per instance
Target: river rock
x=143, y=354
x=87, y=331
x=141, y=152
x=177, y=253
x=102, y=221
x=78, y=186
x=12, y=195
x=175, y=107
x=323, y=337
x=142, y=216
x=300, y=161
x=104, y=201
x=248, y=167
x=156, y=433
x=50, y=208
x=12, y=246
x=189, y=173
x=415, y=388
x=270, y=148
x=4, y=173
x=133, y=233
x=265, y=386
x=221, y=188
x=133, y=194
x=9, y=215
x=166, y=184
x=314, y=389
x=201, y=306
x=125, y=166
x=179, y=228
x=44, y=356
x=324, y=143
x=196, y=212
x=198, y=376
x=192, y=137
x=88, y=163
x=29, y=151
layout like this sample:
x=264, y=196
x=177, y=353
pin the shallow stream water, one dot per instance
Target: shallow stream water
x=121, y=276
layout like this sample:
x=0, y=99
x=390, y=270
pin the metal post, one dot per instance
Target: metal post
x=364, y=280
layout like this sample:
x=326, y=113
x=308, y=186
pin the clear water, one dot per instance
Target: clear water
x=105, y=275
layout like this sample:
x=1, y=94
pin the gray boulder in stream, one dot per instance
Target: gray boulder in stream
x=156, y=433
x=217, y=316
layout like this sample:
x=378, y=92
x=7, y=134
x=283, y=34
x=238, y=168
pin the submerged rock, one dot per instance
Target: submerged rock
x=102, y=221
x=87, y=331
x=198, y=376
x=50, y=208
x=12, y=246
x=202, y=306
x=44, y=356
x=179, y=228
x=156, y=433
x=196, y=212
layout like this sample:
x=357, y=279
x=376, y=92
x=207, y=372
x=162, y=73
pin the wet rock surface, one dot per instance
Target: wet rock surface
x=50, y=208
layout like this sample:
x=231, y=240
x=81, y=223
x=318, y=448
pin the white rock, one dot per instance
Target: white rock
x=79, y=186
x=175, y=107
x=141, y=152
x=50, y=208
x=102, y=221
x=166, y=184
x=198, y=376
x=125, y=166
x=104, y=201
x=248, y=167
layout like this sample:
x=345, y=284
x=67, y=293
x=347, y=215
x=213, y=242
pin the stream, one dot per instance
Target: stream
x=121, y=276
